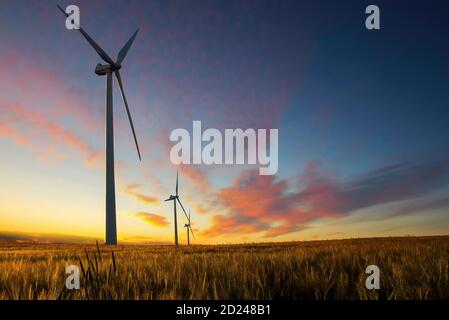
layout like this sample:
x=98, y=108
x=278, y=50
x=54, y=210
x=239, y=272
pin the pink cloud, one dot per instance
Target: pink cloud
x=31, y=81
x=268, y=205
x=34, y=128
x=31, y=113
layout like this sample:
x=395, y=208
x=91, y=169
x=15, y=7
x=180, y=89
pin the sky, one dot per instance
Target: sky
x=362, y=119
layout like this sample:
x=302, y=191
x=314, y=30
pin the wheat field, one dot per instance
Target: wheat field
x=410, y=268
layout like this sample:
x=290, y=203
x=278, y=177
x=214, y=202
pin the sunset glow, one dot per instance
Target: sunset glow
x=363, y=148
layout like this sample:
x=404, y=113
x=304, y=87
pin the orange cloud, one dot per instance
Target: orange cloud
x=230, y=225
x=265, y=204
x=262, y=204
x=6, y=131
x=153, y=219
x=131, y=191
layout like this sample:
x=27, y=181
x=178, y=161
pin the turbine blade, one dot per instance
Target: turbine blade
x=120, y=84
x=176, y=182
x=190, y=226
x=62, y=10
x=183, y=208
x=123, y=52
x=91, y=41
x=191, y=231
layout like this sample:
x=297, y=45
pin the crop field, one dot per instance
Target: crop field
x=410, y=268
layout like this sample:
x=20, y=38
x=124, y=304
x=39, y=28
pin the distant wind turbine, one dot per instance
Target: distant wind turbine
x=107, y=70
x=189, y=230
x=175, y=198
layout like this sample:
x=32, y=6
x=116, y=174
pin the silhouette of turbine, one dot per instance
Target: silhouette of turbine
x=175, y=198
x=107, y=70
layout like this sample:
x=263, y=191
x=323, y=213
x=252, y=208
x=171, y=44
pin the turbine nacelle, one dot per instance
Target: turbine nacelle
x=172, y=197
x=103, y=69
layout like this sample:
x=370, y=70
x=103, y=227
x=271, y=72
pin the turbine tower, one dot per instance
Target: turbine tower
x=175, y=198
x=189, y=230
x=107, y=70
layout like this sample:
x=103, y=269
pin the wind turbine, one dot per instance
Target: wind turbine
x=107, y=70
x=189, y=230
x=175, y=198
